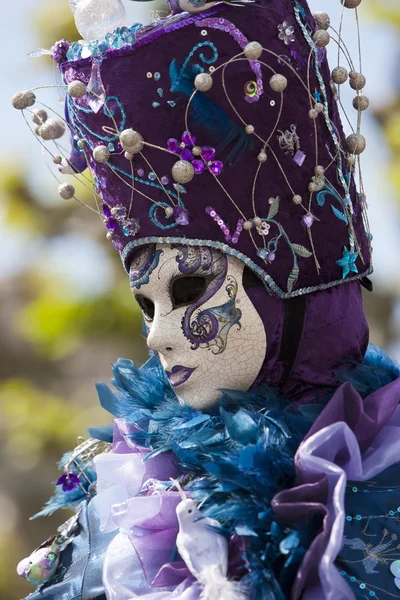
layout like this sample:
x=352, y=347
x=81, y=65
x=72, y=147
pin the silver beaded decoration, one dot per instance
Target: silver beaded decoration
x=322, y=19
x=203, y=82
x=183, y=171
x=131, y=141
x=253, y=50
x=76, y=89
x=321, y=38
x=356, y=143
x=52, y=129
x=351, y=3
x=278, y=83
x=357, y=80
x=39, y=116
x=22, y=100
x=361, y=102
x=340, y=75
x=101, y=154
x=262, y=157
x=66, y=191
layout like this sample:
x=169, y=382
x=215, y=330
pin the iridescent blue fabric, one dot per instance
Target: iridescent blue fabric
x=82, y=561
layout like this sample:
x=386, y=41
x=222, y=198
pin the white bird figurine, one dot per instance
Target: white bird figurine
x=205, y=552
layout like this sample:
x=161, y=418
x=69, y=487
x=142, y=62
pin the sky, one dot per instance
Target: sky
x=20, y=72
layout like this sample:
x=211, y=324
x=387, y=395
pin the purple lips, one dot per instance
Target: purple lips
x=179, y=375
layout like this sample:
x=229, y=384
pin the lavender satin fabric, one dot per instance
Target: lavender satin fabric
x=352, y=439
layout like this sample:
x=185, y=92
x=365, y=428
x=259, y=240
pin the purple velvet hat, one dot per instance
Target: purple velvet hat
x=221, y=128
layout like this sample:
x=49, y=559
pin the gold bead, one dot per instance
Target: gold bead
x=361, y=102
x=319, y=170
x=247, y=225
x=351, y=160
x=253, y=50
x=110, y=236
x=340, y=75
x=312, y=187
x=278, y=83
x=249, y=129
x=128, y=156
x=319, y=107
x=131, y=141
x=22, y=100
x=183, y=171
x=203, y=82
x=321, y=38
x=101, y=154
x=322, y=19
x=196, y=150
x=169, y=211
x=76, y=89
x=357, y=80
x=351, y=3
x=57, y=160
x=313, y=113
x=81, y=143
x=66, y=191
x=257, y=221
x=297, y=199
x=356, y=143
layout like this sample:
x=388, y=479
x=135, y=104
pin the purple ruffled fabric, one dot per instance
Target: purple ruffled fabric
x=354, y=438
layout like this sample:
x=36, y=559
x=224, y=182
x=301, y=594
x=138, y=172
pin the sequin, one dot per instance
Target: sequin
x=157, y=75
x=149, y=75
x=250, y=89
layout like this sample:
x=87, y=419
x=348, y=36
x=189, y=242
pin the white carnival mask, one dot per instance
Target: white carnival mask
x=201, y=323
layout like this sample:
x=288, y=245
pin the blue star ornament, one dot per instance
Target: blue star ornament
x=347, y=262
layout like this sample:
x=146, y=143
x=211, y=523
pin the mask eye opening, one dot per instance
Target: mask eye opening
x=146, y=306
x=187, y=289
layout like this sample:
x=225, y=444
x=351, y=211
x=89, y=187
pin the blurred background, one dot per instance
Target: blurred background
x=66, y=311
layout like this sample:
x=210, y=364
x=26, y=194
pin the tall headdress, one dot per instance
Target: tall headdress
x=219, y=127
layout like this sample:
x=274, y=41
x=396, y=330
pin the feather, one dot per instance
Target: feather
x=210, y=117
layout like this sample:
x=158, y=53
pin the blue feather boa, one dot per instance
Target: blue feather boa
x=239, y=457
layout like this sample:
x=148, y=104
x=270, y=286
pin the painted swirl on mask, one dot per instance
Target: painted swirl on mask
x=208, y=328
x=144, y=261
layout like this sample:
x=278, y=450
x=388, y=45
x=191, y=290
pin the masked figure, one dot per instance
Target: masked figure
x=254, y=456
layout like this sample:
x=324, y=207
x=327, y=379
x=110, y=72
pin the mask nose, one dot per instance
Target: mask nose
x=159, y=338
